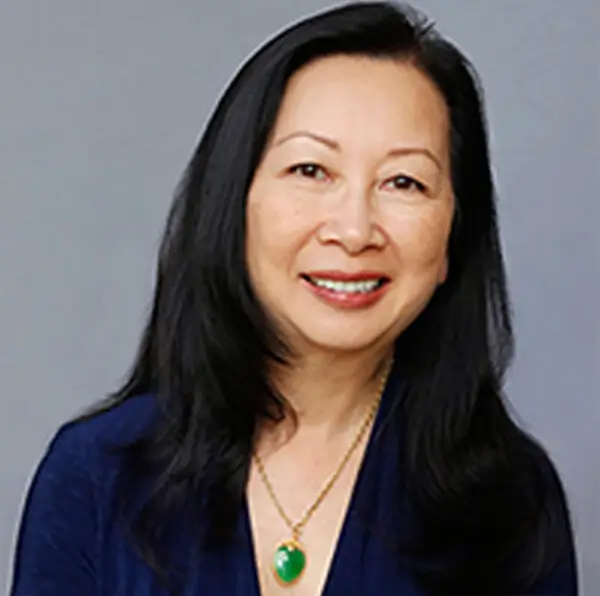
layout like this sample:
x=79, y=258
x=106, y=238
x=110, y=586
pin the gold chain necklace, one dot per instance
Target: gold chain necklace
x=289, y=560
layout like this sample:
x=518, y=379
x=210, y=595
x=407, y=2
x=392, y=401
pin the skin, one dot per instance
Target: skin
x=356, y=176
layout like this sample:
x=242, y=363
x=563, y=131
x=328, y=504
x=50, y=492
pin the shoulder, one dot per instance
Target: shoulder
x=69, y=501
x=550, y=548
x=85, y=453
x=114, y=425
x=92, y=442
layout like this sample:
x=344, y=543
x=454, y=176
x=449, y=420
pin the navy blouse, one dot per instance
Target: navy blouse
x=70, y=543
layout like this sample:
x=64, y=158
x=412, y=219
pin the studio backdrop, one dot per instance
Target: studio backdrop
x=101, y=104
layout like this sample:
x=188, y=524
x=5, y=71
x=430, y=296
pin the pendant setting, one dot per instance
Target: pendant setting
x=289, y=562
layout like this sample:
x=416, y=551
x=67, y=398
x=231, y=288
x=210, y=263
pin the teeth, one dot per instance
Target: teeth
x=346, y=286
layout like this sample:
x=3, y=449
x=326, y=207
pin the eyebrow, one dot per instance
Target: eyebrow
x=335, y=146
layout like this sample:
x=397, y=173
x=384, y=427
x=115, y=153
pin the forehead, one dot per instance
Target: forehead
x=356, y=98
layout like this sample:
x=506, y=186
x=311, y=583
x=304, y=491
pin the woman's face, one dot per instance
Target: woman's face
x=350, y=209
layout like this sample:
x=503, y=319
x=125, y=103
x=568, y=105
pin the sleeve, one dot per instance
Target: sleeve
x=56, y=543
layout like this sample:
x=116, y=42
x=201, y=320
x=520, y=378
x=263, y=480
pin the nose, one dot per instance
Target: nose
x=351, y=223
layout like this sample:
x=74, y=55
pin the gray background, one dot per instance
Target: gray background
x=101, y=104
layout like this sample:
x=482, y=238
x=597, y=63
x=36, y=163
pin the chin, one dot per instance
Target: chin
x=344, y=338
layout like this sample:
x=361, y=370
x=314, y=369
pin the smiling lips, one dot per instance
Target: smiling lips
x=347, y=290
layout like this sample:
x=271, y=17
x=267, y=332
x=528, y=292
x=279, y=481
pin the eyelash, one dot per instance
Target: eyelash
x=419, y=186
x=303, y=169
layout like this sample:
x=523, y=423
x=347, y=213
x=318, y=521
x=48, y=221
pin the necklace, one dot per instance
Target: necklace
x=289, y=560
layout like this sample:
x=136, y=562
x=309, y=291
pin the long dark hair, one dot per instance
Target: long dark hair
x=471, y=475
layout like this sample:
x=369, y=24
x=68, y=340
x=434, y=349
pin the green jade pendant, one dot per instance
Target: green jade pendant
x=289, y=562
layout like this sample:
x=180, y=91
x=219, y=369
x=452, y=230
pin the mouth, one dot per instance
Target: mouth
x=352, y=284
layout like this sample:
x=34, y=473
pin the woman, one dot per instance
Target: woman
x=316, y=406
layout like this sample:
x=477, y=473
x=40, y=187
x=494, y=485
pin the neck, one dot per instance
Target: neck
x=330, y=392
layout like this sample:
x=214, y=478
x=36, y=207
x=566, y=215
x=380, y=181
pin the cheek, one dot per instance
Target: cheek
x=275, y=229
x=422, y=239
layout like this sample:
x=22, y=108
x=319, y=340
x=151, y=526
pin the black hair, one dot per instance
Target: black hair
x=472, y=476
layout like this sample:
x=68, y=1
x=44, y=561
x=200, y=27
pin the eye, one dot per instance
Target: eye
x=405, y=183
x=309, y=170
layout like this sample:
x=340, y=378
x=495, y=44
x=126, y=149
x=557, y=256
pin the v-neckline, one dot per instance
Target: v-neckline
x=340, y=550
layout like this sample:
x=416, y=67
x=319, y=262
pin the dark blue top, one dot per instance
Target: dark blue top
x=71, y=545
